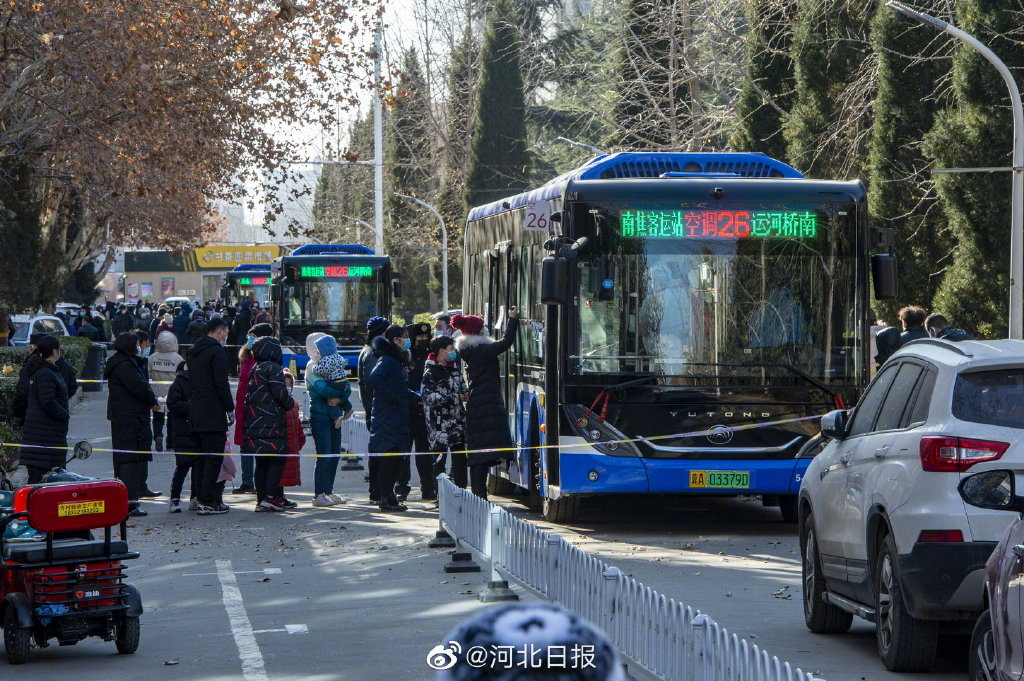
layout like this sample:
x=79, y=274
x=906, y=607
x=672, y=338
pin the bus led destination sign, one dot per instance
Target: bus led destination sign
x=253, y=281
x=719, y=224
x=338, y=272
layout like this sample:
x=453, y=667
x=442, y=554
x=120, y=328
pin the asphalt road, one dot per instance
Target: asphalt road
x=335, y=594
x=735, y=560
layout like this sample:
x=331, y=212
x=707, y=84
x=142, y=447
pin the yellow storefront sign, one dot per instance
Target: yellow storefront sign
x=227, y=257
x=80, y=508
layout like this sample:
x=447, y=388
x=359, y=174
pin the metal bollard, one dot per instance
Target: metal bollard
x=497, y=589
x=700, y=666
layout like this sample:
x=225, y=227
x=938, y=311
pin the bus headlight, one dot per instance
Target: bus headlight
x=603, y=436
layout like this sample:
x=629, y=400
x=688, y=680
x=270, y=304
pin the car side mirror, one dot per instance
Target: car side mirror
x=833, y=425
x=554, y=281
x=994, y=490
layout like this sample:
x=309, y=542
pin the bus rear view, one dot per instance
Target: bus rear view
x=703, y=310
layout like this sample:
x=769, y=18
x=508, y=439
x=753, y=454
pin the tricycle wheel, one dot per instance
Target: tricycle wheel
x=17, y=639
x=128, y=635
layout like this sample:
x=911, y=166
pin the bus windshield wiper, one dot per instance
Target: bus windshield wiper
x=629, y=384
x=796, y=372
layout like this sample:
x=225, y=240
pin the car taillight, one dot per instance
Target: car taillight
x=936, y=536
x=957, y=454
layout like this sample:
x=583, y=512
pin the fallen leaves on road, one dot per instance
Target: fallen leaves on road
x=782, y=593
x=172, y=662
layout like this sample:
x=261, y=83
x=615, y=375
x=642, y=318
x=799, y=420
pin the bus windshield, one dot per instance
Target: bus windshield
x=718, y=290
x=332, y=301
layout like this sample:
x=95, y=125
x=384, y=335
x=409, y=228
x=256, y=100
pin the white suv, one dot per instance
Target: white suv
x=884, y=534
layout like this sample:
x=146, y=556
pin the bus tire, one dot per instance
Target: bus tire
x=564, y=509
x=497, y=484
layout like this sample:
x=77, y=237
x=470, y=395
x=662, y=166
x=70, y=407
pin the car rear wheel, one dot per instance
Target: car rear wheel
x=819, y=616
x=905, y=644
x=982, y=664
x=17, y=639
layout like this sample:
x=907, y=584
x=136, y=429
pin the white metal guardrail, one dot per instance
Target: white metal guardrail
x=662, y=637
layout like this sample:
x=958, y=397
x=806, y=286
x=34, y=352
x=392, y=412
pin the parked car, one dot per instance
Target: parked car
x=997, y=644
x=25, y=325
x=884, y=534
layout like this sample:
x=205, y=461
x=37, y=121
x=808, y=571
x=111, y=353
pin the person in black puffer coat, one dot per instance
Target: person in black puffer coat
x=392, y=400
x=419, y=334
x=486, y=415
x=266, y=403
x=129, y=403
x=180, y=433
x=210, y=409
x=19, y=404
x=197, y=329
x=47, y=415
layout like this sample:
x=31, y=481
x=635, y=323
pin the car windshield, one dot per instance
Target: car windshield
x=20, y=331
x=991, y=397
x=739, y=291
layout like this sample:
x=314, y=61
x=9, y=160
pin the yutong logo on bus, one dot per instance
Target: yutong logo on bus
x=720, y=435
x=728, y=414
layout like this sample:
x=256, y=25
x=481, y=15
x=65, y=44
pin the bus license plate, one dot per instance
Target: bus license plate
x=720, y=479
x=80, y=508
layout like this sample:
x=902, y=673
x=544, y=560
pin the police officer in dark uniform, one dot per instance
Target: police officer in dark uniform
x=420, y=335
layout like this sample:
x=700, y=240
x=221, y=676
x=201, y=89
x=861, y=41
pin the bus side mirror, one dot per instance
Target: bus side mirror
x=275, y=292
x=884, y=276
x=554, y=281
x=396, y=288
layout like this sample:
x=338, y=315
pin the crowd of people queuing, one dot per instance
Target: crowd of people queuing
x=429, y=394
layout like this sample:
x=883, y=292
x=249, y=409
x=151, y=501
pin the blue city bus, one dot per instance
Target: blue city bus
x=667, y=298
x=247, y=282
x=330, y=288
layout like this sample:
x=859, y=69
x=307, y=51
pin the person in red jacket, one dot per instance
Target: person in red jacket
x=296, y=440
x=247, y=363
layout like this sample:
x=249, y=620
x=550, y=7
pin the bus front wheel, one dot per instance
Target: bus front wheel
x=496, y=484
x=564, y=509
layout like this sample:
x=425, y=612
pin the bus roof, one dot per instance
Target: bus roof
x=332, y=249
x=648, y=165
x=252, y=267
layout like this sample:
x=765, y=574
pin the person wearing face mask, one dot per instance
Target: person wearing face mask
x=211, y=411
x=47, y=412
x=246, y=362
x=129, y=403
x=444, y=400
x=419, y=334
x=392, y=399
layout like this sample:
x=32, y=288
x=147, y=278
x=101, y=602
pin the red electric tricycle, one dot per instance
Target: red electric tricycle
x=66, y=584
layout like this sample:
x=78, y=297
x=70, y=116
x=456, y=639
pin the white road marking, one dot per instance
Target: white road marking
x=288, y=629
x=241, y=628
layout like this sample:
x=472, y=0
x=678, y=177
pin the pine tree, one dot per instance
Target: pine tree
x=769, y=87
x=829, y=50
x=905, y=111
x=499, y=163
x=978, y=132
x=411, y=230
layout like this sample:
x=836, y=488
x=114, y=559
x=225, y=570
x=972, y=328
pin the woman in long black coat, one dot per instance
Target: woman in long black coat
x=129, y=403
x=486, y=415
x=47, y=414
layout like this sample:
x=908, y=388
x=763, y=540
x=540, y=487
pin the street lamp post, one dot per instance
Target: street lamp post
x=1017, y=195
x=444, y=247
x=360, y=223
